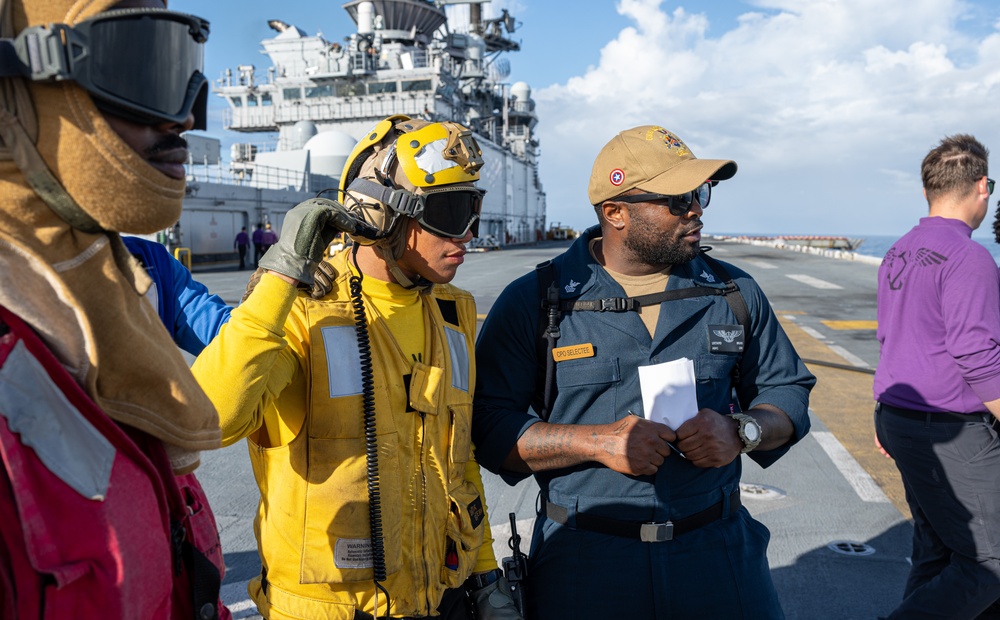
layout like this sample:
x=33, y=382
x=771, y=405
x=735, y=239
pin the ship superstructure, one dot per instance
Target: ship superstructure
x=405, y=58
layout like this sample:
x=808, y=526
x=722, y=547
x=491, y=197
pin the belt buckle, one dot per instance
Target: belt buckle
x=656, y=532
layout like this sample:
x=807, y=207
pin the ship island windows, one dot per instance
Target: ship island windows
x=251, y=100
x=350, y=89
x=315, y=92
x=410, y=86
x=377, y=88
x=342, y=89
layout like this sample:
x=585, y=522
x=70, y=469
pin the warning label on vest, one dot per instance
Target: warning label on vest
x=353, y=553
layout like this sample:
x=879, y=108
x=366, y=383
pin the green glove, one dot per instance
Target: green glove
x=308, y=229
x=495, y=603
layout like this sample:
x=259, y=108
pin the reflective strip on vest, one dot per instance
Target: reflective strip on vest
x=37, y=410
x=343, y=360
x=459, y=349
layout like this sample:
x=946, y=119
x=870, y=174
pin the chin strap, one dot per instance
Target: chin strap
x=419, y=284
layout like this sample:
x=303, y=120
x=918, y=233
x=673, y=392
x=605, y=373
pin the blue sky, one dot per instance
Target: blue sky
x=828, y=106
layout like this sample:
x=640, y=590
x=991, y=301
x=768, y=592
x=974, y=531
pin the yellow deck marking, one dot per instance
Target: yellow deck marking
x=846, y=325
x=842, y=399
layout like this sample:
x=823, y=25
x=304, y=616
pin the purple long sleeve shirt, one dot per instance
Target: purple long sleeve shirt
x=938, y=321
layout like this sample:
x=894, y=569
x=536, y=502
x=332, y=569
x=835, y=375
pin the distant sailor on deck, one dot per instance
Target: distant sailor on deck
x=242, y=243
x=938, y=388
x=258, y=244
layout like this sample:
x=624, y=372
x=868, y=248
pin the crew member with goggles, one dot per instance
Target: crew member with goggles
x=355, y=393
x=101, y=421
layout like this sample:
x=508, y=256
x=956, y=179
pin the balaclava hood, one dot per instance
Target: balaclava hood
x=69, y=274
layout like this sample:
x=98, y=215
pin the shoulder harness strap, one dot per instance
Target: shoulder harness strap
x=553, y=308
x=548, y=332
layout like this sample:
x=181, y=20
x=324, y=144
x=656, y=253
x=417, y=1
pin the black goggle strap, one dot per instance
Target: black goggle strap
x=399, y=200
x=10, y=64
x=39, y=54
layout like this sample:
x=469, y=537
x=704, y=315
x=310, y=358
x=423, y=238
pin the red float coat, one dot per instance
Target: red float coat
x=93, y=521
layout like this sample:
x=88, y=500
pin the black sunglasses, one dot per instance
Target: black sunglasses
x=989, y=184
x=678, y=205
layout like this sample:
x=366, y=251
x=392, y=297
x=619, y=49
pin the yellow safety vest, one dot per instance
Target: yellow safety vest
x=313, y=522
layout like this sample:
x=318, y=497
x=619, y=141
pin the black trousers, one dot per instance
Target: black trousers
x=950, y=467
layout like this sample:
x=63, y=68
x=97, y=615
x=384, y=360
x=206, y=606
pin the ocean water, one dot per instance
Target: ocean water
x=878, y=245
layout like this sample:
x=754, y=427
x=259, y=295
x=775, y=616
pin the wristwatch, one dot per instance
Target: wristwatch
x=749, y=431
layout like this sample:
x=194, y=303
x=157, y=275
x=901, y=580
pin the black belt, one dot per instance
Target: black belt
x=939, y=416
x=646, y=532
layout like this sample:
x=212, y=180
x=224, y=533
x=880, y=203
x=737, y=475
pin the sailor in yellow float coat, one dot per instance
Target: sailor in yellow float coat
x=286, y=374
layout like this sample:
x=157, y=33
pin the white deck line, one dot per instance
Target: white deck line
x=847, y=355
x=234, y=595
x=855, y=475
x=813, y=282
x=812, y=332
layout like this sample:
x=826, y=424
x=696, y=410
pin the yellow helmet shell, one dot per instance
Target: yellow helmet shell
x=439, y=154
x=371, y=138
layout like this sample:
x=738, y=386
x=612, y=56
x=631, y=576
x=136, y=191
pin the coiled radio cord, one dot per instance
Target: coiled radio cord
x=371, y=437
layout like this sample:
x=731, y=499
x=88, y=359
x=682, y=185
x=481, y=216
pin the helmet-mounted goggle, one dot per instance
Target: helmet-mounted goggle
x=449, y=212
x=144, y=65
x=440, y=161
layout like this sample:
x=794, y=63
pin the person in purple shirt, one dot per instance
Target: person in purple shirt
x=241, y=243
x=937, y=388
x=258, y=244
x=268, y=239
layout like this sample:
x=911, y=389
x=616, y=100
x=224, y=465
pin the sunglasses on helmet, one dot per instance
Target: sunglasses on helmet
x=678, y=205
x=145, y=65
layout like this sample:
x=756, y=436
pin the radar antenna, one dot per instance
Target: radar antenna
x=500, y=69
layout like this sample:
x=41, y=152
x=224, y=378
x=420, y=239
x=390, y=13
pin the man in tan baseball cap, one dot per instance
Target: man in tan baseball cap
x=656, y=490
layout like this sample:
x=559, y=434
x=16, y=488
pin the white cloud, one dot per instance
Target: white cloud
x=828, y=106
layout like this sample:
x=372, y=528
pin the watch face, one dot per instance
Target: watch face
x=752, y=431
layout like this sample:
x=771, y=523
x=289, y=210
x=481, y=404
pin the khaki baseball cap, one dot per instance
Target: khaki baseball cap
x=652, y=159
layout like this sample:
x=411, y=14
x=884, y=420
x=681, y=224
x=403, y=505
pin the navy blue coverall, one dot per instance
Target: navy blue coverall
x=719, y=570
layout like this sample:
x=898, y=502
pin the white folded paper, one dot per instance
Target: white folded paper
x=668, y=392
